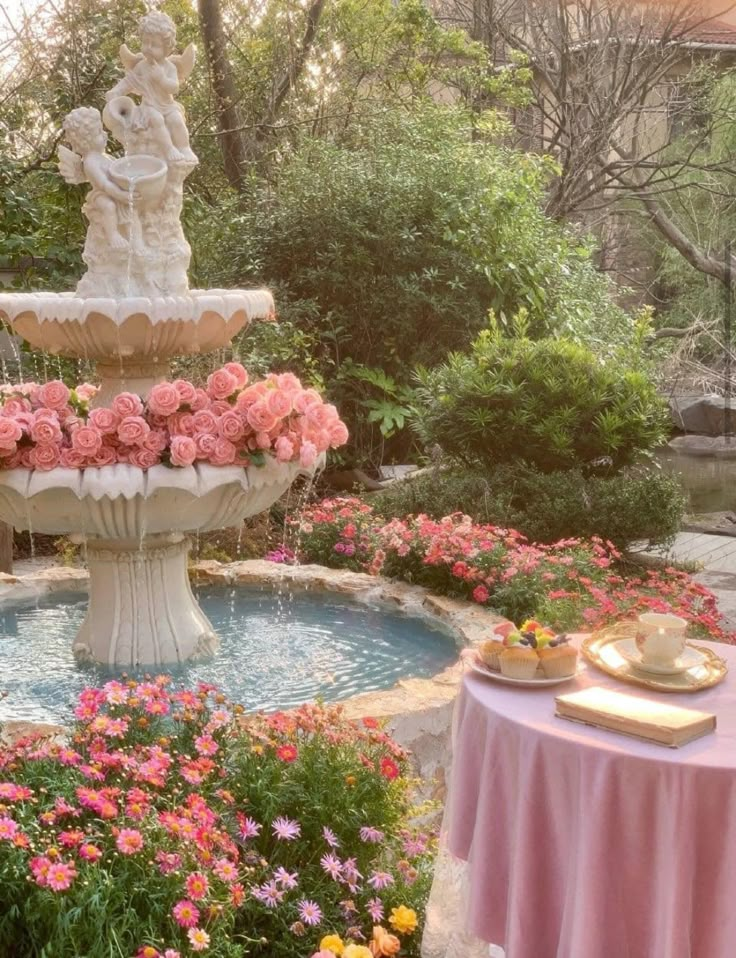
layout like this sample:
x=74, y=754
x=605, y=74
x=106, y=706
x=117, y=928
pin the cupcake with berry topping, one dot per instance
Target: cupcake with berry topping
x=558, y=659
x=518, y=660
x=490, y=650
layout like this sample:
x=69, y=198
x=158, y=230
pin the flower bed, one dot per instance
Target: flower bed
x=49, y=425
x=170, y=824
x=570, y=585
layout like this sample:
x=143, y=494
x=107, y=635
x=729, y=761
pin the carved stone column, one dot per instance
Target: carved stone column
x=141, y=606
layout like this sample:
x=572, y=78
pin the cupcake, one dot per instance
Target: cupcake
x=558, y=661
x=519, y=662
x=489, y=652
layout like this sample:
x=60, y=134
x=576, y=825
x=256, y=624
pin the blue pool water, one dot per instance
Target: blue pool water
x=276, y=651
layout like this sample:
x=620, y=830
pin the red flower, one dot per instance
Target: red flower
x=287, y=753
x=370, y=722
x=389, y=769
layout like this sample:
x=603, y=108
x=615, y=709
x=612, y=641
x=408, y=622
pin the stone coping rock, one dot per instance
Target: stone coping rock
x=417, y=711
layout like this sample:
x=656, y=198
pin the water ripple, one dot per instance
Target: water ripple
x=276, y=651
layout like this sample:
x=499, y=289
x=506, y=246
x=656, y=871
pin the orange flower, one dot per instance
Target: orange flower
x=384, y=944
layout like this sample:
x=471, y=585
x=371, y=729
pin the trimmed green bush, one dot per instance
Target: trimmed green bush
x=550, y=403
x=547, y=507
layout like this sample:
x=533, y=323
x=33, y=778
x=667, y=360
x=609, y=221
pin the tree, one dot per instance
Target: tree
x=611, y=80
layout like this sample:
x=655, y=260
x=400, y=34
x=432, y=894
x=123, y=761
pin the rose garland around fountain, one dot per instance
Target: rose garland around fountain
x=49, y=425
x=96, y=463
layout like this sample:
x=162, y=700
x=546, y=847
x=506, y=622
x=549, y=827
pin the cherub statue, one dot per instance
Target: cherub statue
x=155, y=75
x=87, y=162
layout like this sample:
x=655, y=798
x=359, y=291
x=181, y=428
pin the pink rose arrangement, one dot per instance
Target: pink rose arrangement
x=170, y=822
x=230, y=421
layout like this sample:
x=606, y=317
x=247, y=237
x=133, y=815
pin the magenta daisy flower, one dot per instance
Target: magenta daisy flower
x=374, y=907
x=249, y=828
x=286, y=829
x=373, y=835
x=330, y=837
x=285, y=878
x=379, y=880
x=332, y=865
x=310, y=912
x=269, y=893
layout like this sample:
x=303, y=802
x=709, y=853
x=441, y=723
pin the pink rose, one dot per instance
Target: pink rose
x=26, y=458
x=316, y=415
x=239, y=374
x=263, y=440
x=72, y=459
x=221, y=384
x=105, y=420
x=205, y=443
x=307, y=454
x=288, y=382
x=181, y=423
x=46, y=430
x=279, y=403
x=45, y=455
x=10, y=432
x=284, y=449
x=201, y=400
x=144, y=458
x=223, y=454
x=204, y=421
x=338, y=434
x=183, y=451
x=87, y=441
x=13, y=406
x=85, y=391
x=54, y=394
x=12, y=462
x=260, y=417
x=156, y=441
x=308, y=398
x=127, y=404
x=187, y=392
x=230, y=425
x=163, y=399
x=220, y=406
x=133, y=430
x=106, y=456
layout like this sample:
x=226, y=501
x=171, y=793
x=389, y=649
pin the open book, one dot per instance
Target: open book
x=652, y=721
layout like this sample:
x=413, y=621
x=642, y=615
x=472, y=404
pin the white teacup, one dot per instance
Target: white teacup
x=660, y=638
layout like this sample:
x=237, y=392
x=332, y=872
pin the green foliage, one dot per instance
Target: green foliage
x=642, y=504
x=550, y=403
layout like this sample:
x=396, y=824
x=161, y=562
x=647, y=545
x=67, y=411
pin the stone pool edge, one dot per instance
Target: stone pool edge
x=418, y=712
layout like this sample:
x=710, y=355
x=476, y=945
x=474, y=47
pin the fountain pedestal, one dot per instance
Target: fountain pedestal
x=141, y=606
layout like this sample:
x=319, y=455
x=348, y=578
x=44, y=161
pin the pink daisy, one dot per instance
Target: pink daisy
x=198, y=939
x=310, y=912
x=60, y=876
x=186, y=913
x=129, y=841
x=286, y=829
x=197, y=885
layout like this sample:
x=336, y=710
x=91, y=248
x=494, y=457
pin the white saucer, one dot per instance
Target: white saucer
x=689, y=659
x=543, y=682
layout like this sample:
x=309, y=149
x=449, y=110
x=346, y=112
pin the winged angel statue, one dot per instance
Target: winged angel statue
x=155, y=75
x=87, y=162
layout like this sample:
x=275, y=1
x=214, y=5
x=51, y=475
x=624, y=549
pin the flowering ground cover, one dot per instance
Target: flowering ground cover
x=570, y=585
x=229, y=421
x=171, y=824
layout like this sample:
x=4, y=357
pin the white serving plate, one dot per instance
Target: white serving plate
x=482, y=669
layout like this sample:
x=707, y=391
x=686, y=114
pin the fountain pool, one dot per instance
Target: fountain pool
x=275, y=653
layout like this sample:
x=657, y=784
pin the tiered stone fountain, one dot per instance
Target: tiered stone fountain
x=132, y=312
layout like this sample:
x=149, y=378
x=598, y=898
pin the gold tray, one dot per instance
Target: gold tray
x=599, y=650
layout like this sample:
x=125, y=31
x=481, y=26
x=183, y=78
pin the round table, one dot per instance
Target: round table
x=566, y=841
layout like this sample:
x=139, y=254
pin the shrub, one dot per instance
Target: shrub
x=550, y=403
x=570, y=584
x=169, y=812
x=636, y=505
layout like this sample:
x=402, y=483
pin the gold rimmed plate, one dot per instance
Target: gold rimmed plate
x=603, y=649
x=537, y=681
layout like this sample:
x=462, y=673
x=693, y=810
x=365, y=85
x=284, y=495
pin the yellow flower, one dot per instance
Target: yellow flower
x=403, y=920
x=333, y=943
x=357, y=951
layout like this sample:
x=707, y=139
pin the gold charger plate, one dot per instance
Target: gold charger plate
x=600, y=650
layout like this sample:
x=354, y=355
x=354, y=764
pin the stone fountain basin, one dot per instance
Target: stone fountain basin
x=133, y=329
x=124, y=502
x=144, y=174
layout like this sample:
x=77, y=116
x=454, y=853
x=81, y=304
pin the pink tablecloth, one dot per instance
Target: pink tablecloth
x=582, y=843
